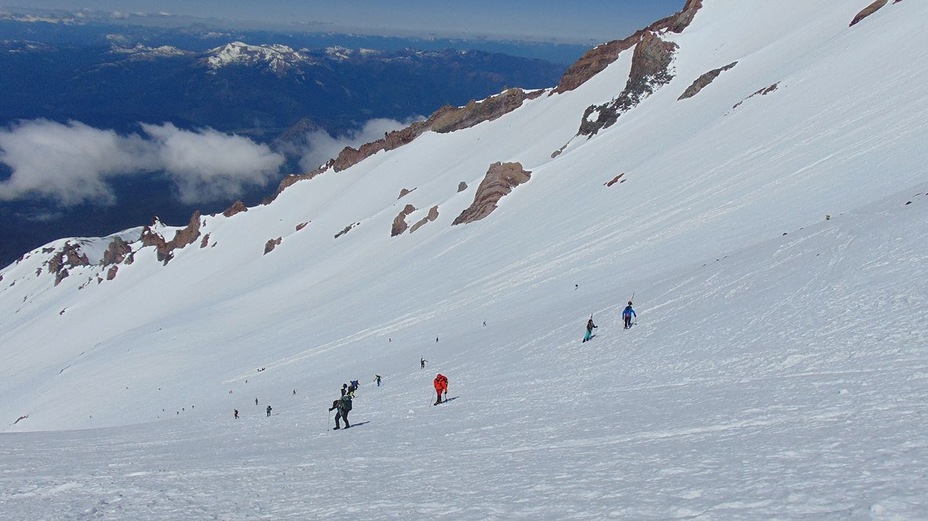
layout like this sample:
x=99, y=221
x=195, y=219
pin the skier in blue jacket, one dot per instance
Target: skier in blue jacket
x=627, y=314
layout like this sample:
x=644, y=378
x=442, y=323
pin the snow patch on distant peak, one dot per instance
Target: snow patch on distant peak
x=144, y=52
x=278, y=58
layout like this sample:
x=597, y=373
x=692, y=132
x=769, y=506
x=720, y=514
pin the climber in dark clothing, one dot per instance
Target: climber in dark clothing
x=343, y=405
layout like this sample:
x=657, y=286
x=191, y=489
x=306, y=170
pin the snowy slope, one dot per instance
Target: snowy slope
x=778, y=369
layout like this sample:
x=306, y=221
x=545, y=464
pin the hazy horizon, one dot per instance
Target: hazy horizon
x=584, y=21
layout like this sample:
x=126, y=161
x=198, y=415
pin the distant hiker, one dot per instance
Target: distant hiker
x=576, y=286
x=344, y=389
x=627, y=314
x=377, y=379
x=294, y=392
x=422, y=362
x=355, y=384
x=268, y=411
x=590, y=326
x=352, y=388
x=343, y=405
x=256, y=401
x=441, y=386
x=235, y=412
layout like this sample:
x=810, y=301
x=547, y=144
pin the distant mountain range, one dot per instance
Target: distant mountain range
x=255, y=90
x=272, y=88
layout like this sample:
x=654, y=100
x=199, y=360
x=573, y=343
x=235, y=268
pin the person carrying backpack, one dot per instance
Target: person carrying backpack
x=343, y=405
x=590, y=326
x=268, y=411
x=441, y=386
x=627, y=315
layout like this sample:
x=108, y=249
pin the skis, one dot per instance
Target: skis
x=358, y=424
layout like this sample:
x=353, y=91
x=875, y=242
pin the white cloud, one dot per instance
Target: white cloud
x=71, y=163
x=321, y=146
x=210, y=165
x=68, y=162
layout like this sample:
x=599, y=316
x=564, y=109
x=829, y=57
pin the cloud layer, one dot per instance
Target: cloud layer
x=72, y=163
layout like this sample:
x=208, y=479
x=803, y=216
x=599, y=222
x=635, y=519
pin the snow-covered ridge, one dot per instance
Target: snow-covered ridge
x=140, y=51
x=278, y=58
x=33, y=18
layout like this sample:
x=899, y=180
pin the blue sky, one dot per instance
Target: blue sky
x=575, y=21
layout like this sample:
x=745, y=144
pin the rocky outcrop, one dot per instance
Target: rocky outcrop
x=704, y=80
x=867, y=11
x=399, y=222
x=204, y=242
x=70, y=256
x=346, y=230
x=183, y=237
x=271, y=244
x=236, y=208
x=476, y=112
x=188, y=234
x=596, y=60
x=444, y=120
x=301, y=225
x=761, y=92
x=432, y=215
x=650, y=70
x=593, y=62
x=116, y=252
x=111, y=273
x=499, y=181
x=616, y=179
x=404, y=192
x=462, y=186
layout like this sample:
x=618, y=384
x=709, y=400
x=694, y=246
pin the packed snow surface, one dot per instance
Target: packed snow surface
x=773, y=245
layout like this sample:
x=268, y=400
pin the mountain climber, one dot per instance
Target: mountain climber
x=590, y=326
x=377, y=379
x=441, y=386
x=627, y=315
x=344, y=389
x=235, y=412
x=268, y=411
x=422, y=362
x=343, y=405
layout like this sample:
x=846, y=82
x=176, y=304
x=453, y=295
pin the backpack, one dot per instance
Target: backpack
x=345, y=403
